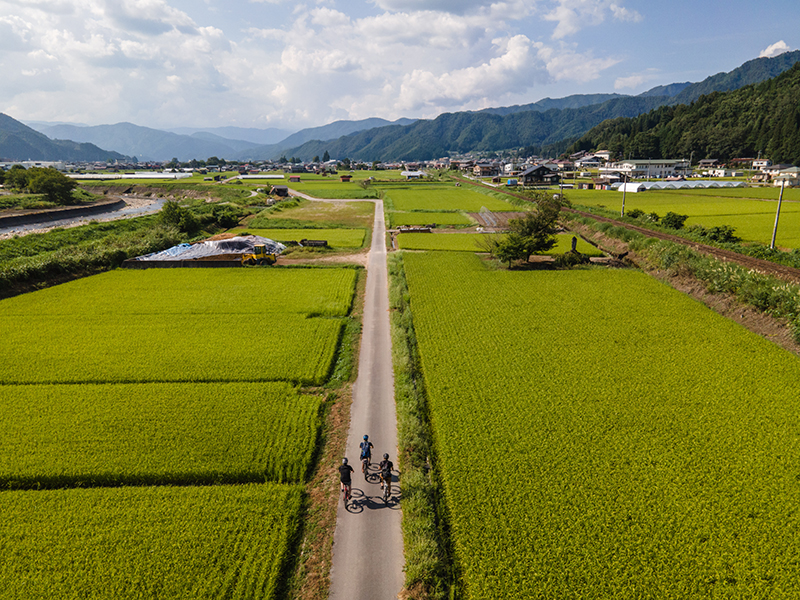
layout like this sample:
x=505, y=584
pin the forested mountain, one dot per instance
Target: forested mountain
x=20, y=142
x=548, y=131
x=455, y=133
x=545, y=104
x=753, y=71
x=761, y=118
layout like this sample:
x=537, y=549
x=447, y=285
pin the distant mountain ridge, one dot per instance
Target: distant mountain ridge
x=550, y=132
x=20, y=142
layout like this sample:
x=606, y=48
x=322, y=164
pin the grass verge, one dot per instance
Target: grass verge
x=427, y=561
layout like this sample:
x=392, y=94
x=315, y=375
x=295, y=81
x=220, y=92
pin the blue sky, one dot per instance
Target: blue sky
x=274, y=63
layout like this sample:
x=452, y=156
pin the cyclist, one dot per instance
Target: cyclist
x=344, y=477
x=366, y=453
x=386, y=467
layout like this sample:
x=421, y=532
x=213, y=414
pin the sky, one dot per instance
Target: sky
x=290, y=65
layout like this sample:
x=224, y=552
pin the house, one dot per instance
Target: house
x=604, y=155
x=486, y=170
x=280, y=190
x=538, y=174
x=789, y=177
x=656, y=168
x=762, y=163
x=588, y=162
x=708, y=163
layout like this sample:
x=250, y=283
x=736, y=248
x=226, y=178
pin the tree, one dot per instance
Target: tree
x=531, y=234
x=212, y=161
x=56, y=187
x=17, y=177
x=315, y=159
x=326, y=157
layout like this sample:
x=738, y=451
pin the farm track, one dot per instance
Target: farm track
x=762, y=266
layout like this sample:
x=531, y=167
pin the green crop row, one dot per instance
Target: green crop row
x=336, y=238
x=443, y=198
x=471, y=242
x=600, y=435
x=149, y=434
x=148, y=543
x=245, y=292
x=163, y=348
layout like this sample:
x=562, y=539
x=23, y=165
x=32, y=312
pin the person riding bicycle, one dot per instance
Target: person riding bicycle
x=366, y=449
x=386, y=467
x=344, y=474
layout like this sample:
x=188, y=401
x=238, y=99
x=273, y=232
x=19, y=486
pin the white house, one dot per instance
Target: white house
x=658, y=168
x=762, y=163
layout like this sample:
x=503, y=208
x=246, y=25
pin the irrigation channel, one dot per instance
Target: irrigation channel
x=368, y=542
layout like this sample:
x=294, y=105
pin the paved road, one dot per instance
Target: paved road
x=368, y=544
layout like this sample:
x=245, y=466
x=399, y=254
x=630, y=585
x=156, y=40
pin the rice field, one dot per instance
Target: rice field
x=600, y=435
x=424, y=218
x=146, y=395
x=471, y=242
x=440, y=198
x=148, y=542
x=155, y=434
x=750, y=210
x=197, y=292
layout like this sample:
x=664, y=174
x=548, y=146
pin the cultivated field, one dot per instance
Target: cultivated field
x=750, y=210
x=600, y=435
x=441, y=198
x=149, y=390
x=471, y=242
x=424, y=218
x=147, y=542
x=154, y=434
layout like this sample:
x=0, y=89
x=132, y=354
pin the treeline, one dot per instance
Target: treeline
x=762, y=118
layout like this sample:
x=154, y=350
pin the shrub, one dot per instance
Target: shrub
x=674, y=220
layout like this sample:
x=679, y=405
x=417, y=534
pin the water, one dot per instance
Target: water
x=124, y=213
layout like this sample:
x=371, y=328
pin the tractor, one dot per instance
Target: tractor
x=259, y=256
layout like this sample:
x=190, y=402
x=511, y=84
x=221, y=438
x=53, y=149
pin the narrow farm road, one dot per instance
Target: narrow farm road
x=368, y=544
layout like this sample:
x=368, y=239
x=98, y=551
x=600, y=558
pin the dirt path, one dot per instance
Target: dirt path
x=368, y=543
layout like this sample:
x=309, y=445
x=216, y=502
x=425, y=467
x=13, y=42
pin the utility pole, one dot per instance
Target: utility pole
x=624, y=183
x=777, y=215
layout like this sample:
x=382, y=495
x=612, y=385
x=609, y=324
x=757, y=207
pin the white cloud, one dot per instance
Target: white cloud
x=775, y=49
x=146, y=61
x=573, y=15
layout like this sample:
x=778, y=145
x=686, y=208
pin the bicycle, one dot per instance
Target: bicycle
x=387, y=488
x=365, y=467
x=346, y=493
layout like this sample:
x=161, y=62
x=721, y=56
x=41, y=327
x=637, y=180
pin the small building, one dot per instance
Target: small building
x=762, y=163
x=538, y=174
x=345, y=178
x=486, y=170
x=294, y=179
x=280, y=190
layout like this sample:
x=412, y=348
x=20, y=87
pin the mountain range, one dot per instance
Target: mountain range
x=20, y=142
x=756, y=119
x=548, y=126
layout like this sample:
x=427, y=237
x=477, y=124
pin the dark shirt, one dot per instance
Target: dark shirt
x=386, y=467
x=344, y=473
